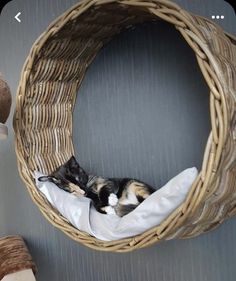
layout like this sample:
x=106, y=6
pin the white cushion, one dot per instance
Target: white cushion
x=151, y=212
x=3, y=131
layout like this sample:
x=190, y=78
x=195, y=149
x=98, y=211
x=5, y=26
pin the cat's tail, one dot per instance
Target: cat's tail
x=122, y=210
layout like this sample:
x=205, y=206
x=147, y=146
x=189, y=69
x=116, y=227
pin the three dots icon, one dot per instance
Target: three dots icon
x=217, y=17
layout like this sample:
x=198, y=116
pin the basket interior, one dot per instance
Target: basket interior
x=59, y=70
x=56, y=75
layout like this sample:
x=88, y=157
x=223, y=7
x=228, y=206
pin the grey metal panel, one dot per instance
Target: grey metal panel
x=142, y=111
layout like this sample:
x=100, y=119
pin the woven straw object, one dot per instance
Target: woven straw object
x=14, y=256
x=5, y=106
x=53, y=73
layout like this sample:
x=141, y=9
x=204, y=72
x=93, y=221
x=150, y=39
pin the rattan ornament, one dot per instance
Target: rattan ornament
x=16, y=263
x=5, y=106
x=51, y=78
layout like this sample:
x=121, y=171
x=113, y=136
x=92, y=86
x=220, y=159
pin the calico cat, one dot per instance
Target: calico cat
x=109, y=195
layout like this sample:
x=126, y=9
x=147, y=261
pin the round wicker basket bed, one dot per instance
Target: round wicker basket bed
x=53, y=73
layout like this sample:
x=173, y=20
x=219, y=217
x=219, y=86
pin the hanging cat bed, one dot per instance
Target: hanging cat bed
x=53, y=73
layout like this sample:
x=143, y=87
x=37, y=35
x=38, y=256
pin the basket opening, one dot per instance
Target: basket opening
x=142, y=108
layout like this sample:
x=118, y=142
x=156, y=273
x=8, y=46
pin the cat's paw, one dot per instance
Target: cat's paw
x=109, y=210
x=75, y=189
x=78, y=194
x=112, y=200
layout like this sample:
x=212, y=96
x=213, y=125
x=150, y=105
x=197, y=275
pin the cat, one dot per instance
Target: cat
x=109, y=195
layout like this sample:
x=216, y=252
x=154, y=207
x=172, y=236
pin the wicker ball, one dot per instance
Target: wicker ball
x=5, y=106
x=53, y=73
x=14, y=256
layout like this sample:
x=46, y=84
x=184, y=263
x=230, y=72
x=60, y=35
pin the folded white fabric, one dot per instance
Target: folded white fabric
x=151, y=212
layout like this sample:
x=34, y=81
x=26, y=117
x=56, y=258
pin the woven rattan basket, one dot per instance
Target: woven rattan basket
x=53, y=73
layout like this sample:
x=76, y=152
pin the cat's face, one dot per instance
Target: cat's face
x=74, y=173
x=69, y=172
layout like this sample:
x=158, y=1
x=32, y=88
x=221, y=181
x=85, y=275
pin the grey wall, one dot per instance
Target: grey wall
x=142, y=111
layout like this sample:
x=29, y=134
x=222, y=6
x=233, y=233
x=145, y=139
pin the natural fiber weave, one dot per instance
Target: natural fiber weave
x=52, y=74
x=14, y=256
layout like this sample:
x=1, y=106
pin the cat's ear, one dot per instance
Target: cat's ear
x=48, y=178
x=72, y=162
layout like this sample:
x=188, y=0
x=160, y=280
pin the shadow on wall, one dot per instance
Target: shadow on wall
x=142, y=110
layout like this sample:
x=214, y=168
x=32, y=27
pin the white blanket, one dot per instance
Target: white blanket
x=151, y=212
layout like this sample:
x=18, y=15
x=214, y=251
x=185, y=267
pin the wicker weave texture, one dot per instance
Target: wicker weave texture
x=14, y=256
x=52, y=75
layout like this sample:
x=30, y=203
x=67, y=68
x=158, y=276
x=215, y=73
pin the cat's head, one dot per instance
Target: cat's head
x=68, y=172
